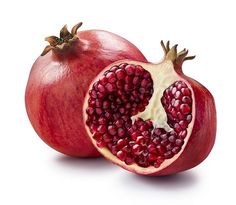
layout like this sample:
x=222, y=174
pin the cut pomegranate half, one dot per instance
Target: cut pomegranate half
x=151, y=119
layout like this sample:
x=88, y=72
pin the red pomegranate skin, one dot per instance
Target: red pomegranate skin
x=198, y=146
x=57, y=85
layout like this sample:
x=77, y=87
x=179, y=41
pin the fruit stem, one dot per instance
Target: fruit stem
x=173, y=55
x=65, y=38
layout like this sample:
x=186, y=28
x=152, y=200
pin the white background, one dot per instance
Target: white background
x=33, y=173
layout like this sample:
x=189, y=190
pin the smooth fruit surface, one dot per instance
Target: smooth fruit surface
x=151, y=119
x=59, y=80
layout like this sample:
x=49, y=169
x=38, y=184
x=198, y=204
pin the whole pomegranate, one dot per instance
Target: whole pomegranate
x=151, y=119
x=59, y=80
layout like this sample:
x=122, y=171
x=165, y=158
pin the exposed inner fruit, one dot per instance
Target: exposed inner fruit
x=148, y=118
x=118, y=96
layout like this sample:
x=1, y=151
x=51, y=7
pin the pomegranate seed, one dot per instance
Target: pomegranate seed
x=146, y=134
x=107, y=138
x=98, y=103
x=97, y=137
x=145, y=83
x=112, y=129
x=123, y=65
x=95, y=86
x=121, y=143
x=120, y=84
x=159, y=131
x=103, y=80
x=139, y=70
x=145, y=153
x=168, y=155
x=111, y=77
x=121, y=132
x=178, y=95
x=164, y=142
x=160, y=159
x=157, y=164
x=120, y=74
x=121, y=155
x=114, y=149
x=101, y=88
x=110, y=87
x=101, y=144
x=189, y=118
x=175, y=150
x=131, y=143
x=90, y=110
x=143, y=128
x=161, y=150
x=106, y=104
x=100, y=95
x=114, y=68
x=128, y=87
x=163, y=100
x=172, y=138
x=179, y=142
x=130, y=69
x=136, y=149
x=98, y=111
x=164, y=136
x=128, y=79
x=136, y=80
x=152, y=148
x=180, y=116
x=146, y=75
x=125, y=118
x=186, y=91
x=126, y=148
x=156, y=140
x=152, y=157
x=143, y=162
x=169, y=147
x=186, y=99
x=135, y=135
x=185, y=109
x=177, y=127
x=102, y=129
x=108, y=115
x=176, y=104
x=119, y=123
x=173, y=91
x=140, y=140
x=129, y=160
x=183, y=124
x=183, y=134
x=142, y=90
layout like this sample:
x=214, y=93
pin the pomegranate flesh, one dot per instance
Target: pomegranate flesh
x=151, y=119
x=59, y=80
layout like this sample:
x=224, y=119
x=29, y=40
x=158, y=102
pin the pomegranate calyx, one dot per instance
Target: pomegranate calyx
x=173, y=55
x=66, y=38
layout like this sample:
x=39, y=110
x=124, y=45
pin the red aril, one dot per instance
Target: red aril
x=158, y=120
x=59, y=80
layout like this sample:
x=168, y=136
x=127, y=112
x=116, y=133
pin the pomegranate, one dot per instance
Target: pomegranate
x=151, y=119
x=59, y=80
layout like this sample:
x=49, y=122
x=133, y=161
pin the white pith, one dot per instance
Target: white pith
x=163, y=75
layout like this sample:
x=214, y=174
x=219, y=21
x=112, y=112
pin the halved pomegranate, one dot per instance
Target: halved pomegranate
x=151, y=119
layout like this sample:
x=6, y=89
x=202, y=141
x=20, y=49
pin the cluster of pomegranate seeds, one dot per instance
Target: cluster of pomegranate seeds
x=177, y=103
x=121, y=93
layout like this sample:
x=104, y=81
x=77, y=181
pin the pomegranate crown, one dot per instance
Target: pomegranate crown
x=173, y=55
x=65, y=38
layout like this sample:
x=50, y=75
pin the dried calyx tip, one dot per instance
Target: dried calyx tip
x=173, y=55
x=66, y=37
